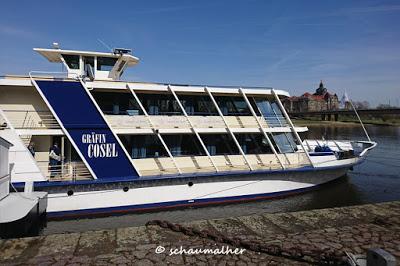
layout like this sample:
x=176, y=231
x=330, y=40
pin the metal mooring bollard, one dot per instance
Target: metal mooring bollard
x=380, y=257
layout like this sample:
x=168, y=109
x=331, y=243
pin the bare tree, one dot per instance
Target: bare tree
x=361, y=105
x=384, y=106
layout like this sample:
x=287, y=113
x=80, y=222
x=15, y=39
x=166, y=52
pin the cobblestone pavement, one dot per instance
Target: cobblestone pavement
x=334, y=231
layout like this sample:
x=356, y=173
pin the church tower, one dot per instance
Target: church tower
x=321, y=89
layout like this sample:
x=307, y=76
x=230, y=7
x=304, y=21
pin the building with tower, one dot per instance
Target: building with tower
x=319, y=101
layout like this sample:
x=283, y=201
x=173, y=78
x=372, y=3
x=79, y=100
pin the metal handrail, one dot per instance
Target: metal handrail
x=43, y=119
x=124, y=121
x=38, y=74
x=64, y=171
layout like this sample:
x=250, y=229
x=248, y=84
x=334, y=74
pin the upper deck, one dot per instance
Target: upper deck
x=26, y=81
x=117, y=102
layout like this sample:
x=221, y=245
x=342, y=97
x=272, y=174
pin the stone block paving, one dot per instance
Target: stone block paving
x=311, y=233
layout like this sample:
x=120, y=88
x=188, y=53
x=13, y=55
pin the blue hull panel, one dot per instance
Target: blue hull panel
x=87, y=129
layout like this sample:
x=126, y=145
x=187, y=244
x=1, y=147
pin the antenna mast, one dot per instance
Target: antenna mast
x=359, y=119
x=105, y=45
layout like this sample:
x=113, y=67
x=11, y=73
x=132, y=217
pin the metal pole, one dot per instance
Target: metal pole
x=192, y=128
x=264, y=119
x=62, y=155
x=359, y=119
x=228, y=128
x=155, y=131
x=108, y=125
x=261, y=127
x=291, y=125
x=280, y=123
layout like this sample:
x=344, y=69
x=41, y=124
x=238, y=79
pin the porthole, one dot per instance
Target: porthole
x=70, y=192
x=125, y=189
x=190, y=184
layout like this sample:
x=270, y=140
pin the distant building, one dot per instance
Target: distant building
x=345, y=103
x=319, y=101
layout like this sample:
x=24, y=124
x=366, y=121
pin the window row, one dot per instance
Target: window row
x=103, y=63
x=150, y=146
x=165, y=104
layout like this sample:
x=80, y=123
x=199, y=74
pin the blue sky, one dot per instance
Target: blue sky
x=350, y=45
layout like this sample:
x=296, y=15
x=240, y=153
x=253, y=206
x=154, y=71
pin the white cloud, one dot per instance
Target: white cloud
x=16, y=32
x=370, y=9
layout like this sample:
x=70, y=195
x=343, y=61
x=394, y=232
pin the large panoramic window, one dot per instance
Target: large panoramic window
x=198, y=105
x=232, y=105
x=271, y=112
x=159, y=104
x=113, y=103
x=143, y=146
x=71, y=60
x=220, y=144
x=105, y=63
x=284, y=142
x=253, y=143
x=183, y=145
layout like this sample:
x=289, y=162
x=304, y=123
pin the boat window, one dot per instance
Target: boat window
x=88, y=64
x=113, y=103
x=271, y=112
x=160, y=104
x=253, y=143
x=220, y=144
x=198, y=105
x=232, y=105
x=88, y=60
x=71, y=60
x=183, y=145
x=105, y=63
x=253, y=104
x=143, y=146
x=285, y=142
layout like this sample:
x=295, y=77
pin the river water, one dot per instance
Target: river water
x=376, y=180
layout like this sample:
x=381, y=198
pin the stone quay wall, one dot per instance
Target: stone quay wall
x=298, y=238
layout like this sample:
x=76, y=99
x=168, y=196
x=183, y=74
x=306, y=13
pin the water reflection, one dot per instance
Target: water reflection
x=376, y=180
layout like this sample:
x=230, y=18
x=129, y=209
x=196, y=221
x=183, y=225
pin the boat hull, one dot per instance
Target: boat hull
x=28, y=225
x=101, y=199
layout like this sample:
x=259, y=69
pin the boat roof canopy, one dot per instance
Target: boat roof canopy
x=54, y=55
x=94, y=65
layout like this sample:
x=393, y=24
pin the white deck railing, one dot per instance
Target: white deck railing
x=177, y=121
x=198, y=164
x=21, y=119
x=65, y=171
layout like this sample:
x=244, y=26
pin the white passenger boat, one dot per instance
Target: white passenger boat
x=135, y=146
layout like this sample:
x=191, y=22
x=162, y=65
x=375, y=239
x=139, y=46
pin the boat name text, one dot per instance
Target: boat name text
x=98, y=146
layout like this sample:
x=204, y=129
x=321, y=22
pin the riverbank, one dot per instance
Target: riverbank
x=296, y=238
x=313, y=122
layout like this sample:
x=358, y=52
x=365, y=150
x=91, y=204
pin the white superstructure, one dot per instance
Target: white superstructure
x=113, y=131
